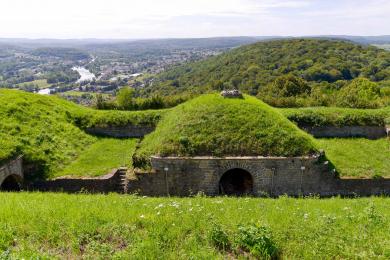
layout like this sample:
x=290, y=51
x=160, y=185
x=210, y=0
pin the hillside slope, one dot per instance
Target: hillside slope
x=253, y=66
x=48, y=131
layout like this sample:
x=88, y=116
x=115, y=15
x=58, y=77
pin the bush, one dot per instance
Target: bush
x=219, y=237
x=360, y=93
x=257, y=240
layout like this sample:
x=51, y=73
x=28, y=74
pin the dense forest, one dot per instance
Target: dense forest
x=293, y=72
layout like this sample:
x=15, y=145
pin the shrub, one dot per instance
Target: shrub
x=360, y=93
x=219, y=237
x=257, y=240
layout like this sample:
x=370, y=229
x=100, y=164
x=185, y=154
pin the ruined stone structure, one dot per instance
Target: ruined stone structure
x=257, y=176
x=234, y=93
x=11, y=175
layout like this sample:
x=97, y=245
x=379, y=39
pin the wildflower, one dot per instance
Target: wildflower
x=142, y=216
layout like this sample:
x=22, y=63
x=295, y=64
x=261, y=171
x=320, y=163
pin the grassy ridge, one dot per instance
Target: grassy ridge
x=75, y=226
x=213, y=125
x=49, y=130
x=358, y=157
x=333, y=116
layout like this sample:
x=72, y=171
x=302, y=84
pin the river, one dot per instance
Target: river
x=85, y=74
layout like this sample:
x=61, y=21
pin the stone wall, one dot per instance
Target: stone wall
x=129, y=131
x=112, y=182
x=12, y=168
x=371, y=132
x=271, y=177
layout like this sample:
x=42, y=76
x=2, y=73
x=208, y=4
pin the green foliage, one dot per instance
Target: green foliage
x=138, y=103
x=331, y=116
x=219, y=237
x=101, y=157
x=285, y=91
x=64, y=226
x=252, y=67
x=358, y=157
x=360, y=93
x=125, y=98
x=257, y=240
x=211, y=125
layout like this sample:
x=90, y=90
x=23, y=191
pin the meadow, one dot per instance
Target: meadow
x=101, y=158
x=358, y=157
x=50, y=226
x=39, y=83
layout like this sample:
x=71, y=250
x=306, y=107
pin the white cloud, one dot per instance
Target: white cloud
x=188, y=18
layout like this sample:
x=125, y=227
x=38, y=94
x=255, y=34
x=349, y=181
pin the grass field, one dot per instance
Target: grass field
x=101, y=157
x=358, y=157
x=40, y=83
x=44, y=226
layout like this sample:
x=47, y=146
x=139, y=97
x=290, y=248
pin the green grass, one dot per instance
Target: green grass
x=333, y=116
x=40, y=83
x=211, y=125
x=101, y=157
x=48, y=226
x=358, y=157
x=49, y=131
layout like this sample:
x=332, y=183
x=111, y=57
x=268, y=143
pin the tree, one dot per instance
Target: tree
x=125, y=98
x=287, y=86
x=360, y=93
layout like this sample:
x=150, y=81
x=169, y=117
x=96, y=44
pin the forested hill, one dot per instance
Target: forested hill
x=251, y=67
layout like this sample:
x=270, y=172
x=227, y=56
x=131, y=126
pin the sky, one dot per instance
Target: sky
x=130, y=19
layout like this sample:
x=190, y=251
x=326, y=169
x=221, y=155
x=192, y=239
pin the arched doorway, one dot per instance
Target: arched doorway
x=236, y=182
x=10, y=184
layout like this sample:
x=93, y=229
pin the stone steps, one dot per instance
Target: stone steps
x=122, y=181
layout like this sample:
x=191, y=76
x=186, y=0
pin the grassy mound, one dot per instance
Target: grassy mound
x=213, y=125
x=48, y=131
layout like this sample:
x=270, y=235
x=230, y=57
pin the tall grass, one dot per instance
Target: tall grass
x=45, y=225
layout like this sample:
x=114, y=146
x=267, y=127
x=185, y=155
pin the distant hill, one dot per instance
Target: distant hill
x=251, y=67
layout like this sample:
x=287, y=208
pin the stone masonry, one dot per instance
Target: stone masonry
x=12, y=169
x=271, y=177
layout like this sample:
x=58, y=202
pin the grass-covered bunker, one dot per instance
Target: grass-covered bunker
x=233, y=146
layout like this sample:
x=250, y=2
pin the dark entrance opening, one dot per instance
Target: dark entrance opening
x=236, y=182
x=10, y=184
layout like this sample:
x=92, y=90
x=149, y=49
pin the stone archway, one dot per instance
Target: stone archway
x=236, y=182
x=10, y=183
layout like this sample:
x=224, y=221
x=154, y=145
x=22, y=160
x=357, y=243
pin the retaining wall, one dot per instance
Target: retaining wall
x=371, y=132
x=109, y=183
x=271, y=177
x=129, y=131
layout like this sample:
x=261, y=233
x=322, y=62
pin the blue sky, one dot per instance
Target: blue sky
x=191, y=18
